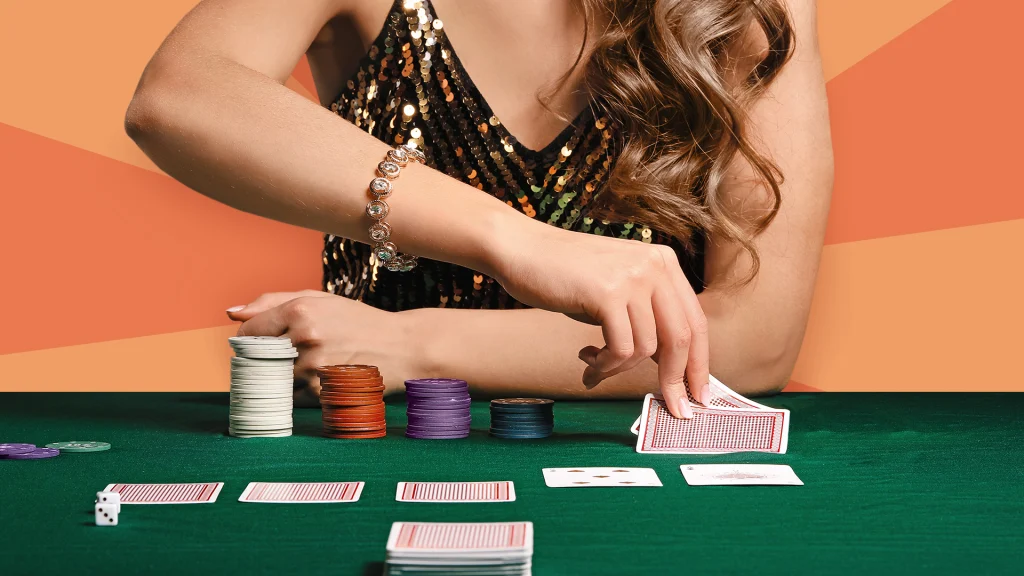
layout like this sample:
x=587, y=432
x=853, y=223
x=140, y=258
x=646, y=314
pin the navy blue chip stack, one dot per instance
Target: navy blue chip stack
x=438, y=408
x=522, y=418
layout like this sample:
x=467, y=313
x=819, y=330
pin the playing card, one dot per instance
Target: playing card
x=721, y=397
x=460, y=539
x=598, y=477
x=725, y=397
x=302, y=492
x=711, y=430
x=199, y=493
x=740, y=475
x=455, y=492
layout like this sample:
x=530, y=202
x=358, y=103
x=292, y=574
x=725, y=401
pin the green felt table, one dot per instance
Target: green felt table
x=895, y=484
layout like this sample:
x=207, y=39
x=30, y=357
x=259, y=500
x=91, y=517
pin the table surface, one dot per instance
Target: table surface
x=895, y=484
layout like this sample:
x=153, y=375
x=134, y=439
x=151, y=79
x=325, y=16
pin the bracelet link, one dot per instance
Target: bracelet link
x=377, y=209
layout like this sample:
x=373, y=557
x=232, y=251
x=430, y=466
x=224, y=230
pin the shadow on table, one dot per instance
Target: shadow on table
x=373, y=569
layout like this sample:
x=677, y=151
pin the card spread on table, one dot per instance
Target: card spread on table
x=460, y=538
x=711, y=430
x=302, y=492
x=455, y=492
x=600, y=477
x=740, y=475
x=198, y=493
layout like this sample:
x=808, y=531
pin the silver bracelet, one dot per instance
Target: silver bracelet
x=384, y=250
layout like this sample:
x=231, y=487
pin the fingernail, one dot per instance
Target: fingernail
x=705, y=395
x=685, y=405
x=234, y=309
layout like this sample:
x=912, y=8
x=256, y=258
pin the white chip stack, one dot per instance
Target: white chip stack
x=469, y=548
x=262, y=384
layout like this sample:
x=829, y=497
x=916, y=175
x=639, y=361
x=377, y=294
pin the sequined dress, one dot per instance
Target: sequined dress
x=411, y=87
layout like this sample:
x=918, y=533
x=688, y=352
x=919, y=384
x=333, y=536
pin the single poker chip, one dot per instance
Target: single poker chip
x=37, y=454
x=258, y=340
x=80, y=446
x=9, y=449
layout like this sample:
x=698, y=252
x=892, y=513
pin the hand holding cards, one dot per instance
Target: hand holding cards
x=730, y=423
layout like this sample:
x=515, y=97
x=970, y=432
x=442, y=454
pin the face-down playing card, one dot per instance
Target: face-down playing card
x=503, y=491
x=195, y=493
x=302, y=492
x=711, y=430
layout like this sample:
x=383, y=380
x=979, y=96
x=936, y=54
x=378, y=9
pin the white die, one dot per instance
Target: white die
x=106, y=514
x=109, y=498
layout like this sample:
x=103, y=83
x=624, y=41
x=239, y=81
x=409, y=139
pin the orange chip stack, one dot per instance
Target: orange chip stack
x=352, y=398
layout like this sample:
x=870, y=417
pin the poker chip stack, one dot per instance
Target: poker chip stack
x=26, y=452
x=522, y=418
x=352, y=399
x=262, y=384
x=438, y=408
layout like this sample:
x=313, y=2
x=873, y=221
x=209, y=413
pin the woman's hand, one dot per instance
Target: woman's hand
x=329, y=329
x=636, y=292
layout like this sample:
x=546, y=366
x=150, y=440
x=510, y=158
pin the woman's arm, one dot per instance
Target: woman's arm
x=755, y=330
x=212, y=112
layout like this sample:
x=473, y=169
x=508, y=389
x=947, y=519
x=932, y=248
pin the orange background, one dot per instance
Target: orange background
x=115, y=277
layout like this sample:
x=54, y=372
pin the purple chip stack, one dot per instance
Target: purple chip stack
x=438, y=408
x=26, y=452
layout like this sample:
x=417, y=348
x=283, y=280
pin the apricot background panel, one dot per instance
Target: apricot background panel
x=76, y=66
x=100, y=250
x=192, y=361
x=924, y=142
x=849, y=30
x=937, y=311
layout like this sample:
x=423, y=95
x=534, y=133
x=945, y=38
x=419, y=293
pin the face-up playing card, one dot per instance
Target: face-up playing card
x=740, y=475
x=711, y=430
x=455, y=492
x=199, y=493
x=302, y=492
x=600, y=477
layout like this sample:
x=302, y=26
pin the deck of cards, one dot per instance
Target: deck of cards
x=478, y=548
x=729, y=423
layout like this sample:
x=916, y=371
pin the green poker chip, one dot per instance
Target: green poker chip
x=79, y=446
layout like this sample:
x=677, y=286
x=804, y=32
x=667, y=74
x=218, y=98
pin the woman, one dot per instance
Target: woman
x=616, y=198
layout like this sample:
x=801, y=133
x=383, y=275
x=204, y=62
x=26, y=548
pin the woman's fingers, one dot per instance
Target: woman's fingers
x=618, y=338
x=698, y=364
x=644, y=339
x=273, y=322
x=673, y=351
x=266, y=302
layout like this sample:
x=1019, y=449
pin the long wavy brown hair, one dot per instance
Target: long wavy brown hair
x=665, y=71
